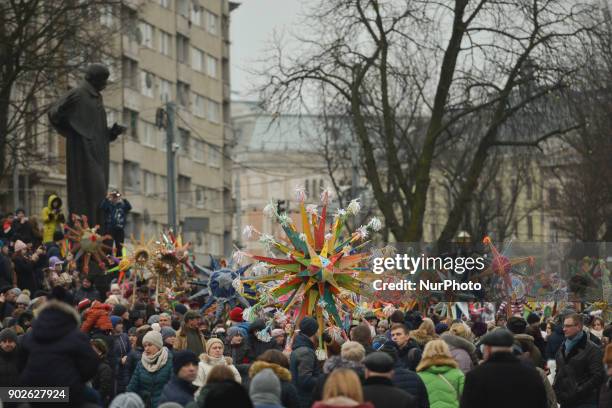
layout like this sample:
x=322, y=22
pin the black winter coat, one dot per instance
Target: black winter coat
x=579, y=374
x=410, y=382
x=410, y=355
x=26, y=273
x=9, y=368
x=383, y=394
x=121, y=348
x=179, y=391
x=304, y=369
x=103, y=383
x=55, y=353
x=553, y=342
x=605, y=394
x=503, y=382
x=132, y=361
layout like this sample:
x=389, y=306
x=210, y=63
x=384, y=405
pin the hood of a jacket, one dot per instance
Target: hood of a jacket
x=52, y=198
x=54, y=320
x=458, y=342
x=281, y=372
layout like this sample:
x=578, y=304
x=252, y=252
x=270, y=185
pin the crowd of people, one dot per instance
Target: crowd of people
x=114, y=346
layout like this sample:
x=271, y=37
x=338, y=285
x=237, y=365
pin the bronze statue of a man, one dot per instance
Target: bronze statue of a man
x=80, y=117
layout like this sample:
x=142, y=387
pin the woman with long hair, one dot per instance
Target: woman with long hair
x=441, y=375
x=342, y=389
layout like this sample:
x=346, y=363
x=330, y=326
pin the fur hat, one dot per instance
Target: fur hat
x=154, y=338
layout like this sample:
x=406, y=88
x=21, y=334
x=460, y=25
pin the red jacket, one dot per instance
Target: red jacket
x=97, y=316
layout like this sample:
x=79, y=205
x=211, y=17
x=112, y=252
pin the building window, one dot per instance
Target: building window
x=130, y=118
x=198, y=106
x=198, y=151
x=529, y=189
x=161, y=141
x=147, y=80
x=184, y=138
x=212, y=23
x=113, y=175
x=182, y=48
x=182, y=93
x=184, y=190
x=165, y=3
x=182, y=7
x=553, y=201
x=554, y=234
x=196, y=15
x=529, y=227
x=149, y=134
x=164, y=43
x=131, y=175
x=197, y=59
x=213, y=111
x=165, y=90
x=214, y=156
x=200, y=197
x=146, y=31
x=162, y=184
x=149, y=182
x=129, y=68
x=106, y=15
x=211, y=66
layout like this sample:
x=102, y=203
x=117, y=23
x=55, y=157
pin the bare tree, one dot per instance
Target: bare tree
x=412, y=74
x=43, y=46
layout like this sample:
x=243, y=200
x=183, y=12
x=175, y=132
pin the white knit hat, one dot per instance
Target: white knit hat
x=153, y=337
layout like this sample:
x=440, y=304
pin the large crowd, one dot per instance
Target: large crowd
x=113, y=345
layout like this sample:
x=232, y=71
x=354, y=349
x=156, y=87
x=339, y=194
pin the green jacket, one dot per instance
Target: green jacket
x=442, y=394
x=150, y=385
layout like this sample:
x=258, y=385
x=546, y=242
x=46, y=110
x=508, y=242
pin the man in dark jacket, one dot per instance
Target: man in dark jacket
x=303, y=365
x=86, y=291
x=180, y=388
x=378, y=387
x=409, y=351
x=362, y=335
x=115, y=210
x=256, y=346
x=580, y=370
x=554, y=341
x=9, y=354
x=55, y=353
x=22, y=229
x=404, y=379
x=502, y=381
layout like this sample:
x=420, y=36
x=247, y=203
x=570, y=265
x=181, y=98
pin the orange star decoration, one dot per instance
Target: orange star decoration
x=87, y=242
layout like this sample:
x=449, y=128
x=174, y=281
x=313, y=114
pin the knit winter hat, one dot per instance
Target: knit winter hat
x=265, y=388
x=533, y=318
x=180, y=308
x=309, y=326
x=441, y=328
x=127, y=400
x=153, y=319
x=119, y=310
x=154, y=338
x=516, y=325
x=235, y=314
x=20, y=246
x=210, y=342
x=23, y=299
x=115, y=320
x=182, y=358
x=8, y=334
x=167, y=332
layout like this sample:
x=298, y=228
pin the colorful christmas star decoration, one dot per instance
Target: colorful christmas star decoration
x=170, y=263
x=320, y=266
x=86, y=242
x=136, y=258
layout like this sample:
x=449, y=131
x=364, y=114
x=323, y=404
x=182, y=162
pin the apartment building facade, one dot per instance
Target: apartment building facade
x=164, y=51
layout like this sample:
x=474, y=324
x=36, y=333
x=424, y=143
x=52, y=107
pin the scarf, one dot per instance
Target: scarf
x=571, y=343
x=156, y=361
x=597, y=333
x=215, y=361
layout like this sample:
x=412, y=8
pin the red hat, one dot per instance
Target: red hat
x=235, y=314
x=85, y=303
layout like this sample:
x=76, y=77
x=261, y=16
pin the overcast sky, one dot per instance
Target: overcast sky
x=252, y=28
